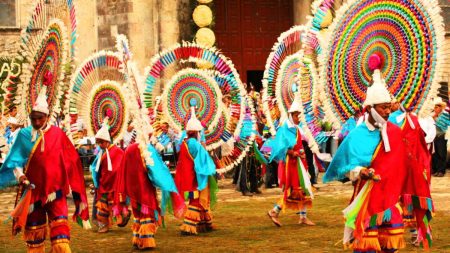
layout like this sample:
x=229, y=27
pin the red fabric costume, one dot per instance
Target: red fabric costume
x=198, y=216
x=107, y=178
x=132, y=180
x=379, y=224
x=289, y=179
x=185, y=178
x=106, y=183
x=56, y=172
x=416, y=192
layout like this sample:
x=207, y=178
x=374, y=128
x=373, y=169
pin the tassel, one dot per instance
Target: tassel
x=20, y=213
x=99, y=160
x=86, y=224
x=51, y=197
x=109, y=161
x=43, y=141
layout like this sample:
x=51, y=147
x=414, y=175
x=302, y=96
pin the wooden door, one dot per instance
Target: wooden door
x=247, y=29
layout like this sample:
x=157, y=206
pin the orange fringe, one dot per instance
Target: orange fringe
x=104, y=208
x=145, y=230
x=39, y=249
x=296, y=200
x=61, y=247
x=192, y=215
x=392, y=241
x=192, y=229
x=34, y=234
x=366, y=243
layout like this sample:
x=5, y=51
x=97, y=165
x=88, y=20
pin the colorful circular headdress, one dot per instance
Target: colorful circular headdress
x=214, y=136
x=225, y=76
x=192, y=87
x=287, y=84
x=97, y=90
x=132, y=94
x=242, y=141
x=288, y=43
x=405, y=34
x=48, y=49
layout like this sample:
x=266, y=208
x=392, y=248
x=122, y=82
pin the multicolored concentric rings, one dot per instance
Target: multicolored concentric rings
x=401, y=32
x=225, y=76
x=48, y=58
x=86, y=89
x=286, y=84
x=107, y=96
x=213, y=137
x=190, y=85
x=288, y=43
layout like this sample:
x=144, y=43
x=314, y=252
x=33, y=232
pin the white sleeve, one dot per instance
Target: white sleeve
x=18, y=172
x=428, y=126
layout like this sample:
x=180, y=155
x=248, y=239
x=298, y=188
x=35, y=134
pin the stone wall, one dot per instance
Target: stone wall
x=112, y=16
x=87, y=41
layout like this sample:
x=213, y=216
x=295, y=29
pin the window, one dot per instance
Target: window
x=8, y=13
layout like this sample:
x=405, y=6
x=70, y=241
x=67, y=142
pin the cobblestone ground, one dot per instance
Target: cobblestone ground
x=243, y=223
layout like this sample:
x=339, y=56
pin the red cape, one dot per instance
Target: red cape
x=418, y=160
x=391, y=166
x=106, y=177
x=132, y=181
x=185, y=177
x=288, y=177
x=57, y=170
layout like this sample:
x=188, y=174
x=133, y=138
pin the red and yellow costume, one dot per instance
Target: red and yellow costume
x=104, y=181
x=138, y=182
x=194, y=172
x=374, y=219
x=52, y=165
x=416, y=199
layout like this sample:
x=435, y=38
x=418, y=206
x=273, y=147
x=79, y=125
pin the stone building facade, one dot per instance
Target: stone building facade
x=150, y=25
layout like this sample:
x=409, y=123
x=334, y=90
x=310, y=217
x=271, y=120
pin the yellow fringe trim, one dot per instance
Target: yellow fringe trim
x=61, y=247
x=189, y=228
x=144, y=230
x=147, y=229
x=39, y=249
x=58, y=222
x=207, y=216
x=35, y=234
x=392, y=241
x=193, y=215
x=106, y=209
x=146, y=243
x=366, y=243
x=135, y=227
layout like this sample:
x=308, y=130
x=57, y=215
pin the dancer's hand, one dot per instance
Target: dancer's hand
x=24, y=180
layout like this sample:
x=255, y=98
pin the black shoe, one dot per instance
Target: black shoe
x=440, y=174
x=257, y=191
x=248, y=194
x=125, y=220
x=184, y=233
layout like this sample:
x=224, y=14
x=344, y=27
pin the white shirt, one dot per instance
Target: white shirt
x=429, y=127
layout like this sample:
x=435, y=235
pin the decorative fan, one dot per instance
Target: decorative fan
x=192, y=87
x=243, y=142
x=286, y=84
x=288, y=43
x=97, y=90
x=214, y=137
x=406, y=34
x=132, y=95
x=48, y=49
x=225, y=80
